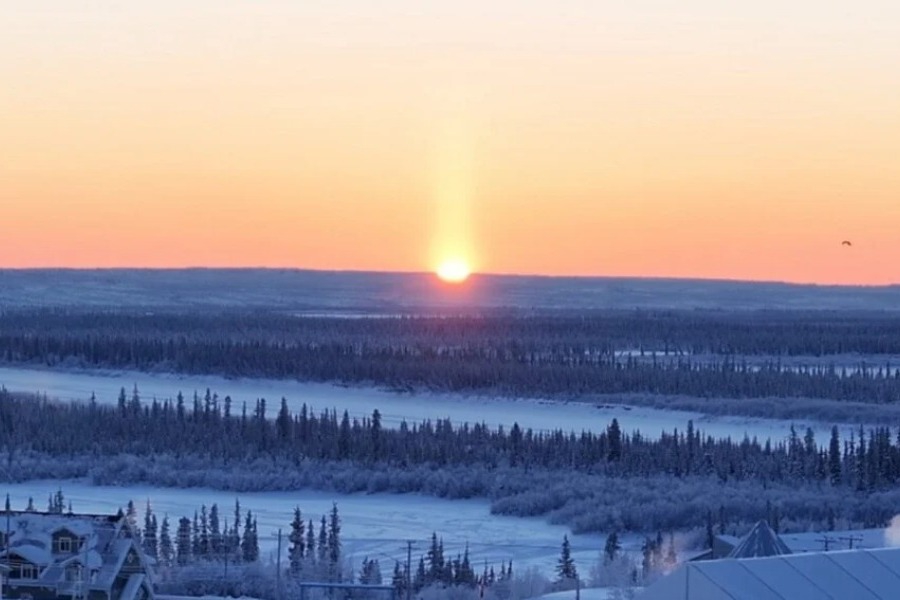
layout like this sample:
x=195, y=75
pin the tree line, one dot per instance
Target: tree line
x=523, y=471
x=647, y=353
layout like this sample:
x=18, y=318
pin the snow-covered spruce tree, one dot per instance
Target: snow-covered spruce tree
x=322, y=548
x=150, y=543
x=184, y=542
x=166, y=550
x=297, y=539
x=435, y=558
x=612, y=546
x=203, y=544
x=196, y=550
x=566, y=573
x=370, y=572
x=310, y=542
x=216, y=547
x=235, y=539
x=334, y=542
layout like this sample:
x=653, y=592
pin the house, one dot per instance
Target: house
x=51, y=555
x=840, y=575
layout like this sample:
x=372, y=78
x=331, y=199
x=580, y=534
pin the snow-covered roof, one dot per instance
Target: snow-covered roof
x=819, y=541
x=114, y=559
x=103, y=544
x=33, y=553
x=729, y=539
x=761, y=541
x=91, y=558
x=857, y=574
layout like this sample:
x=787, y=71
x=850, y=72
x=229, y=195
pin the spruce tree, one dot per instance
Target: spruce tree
x=398, y=581
x=334, y=537
x=296, y=551
x=420, y=580
x=195, y=537
x=323, y=541
x=311, y=541
x=184, y=542
x=216, y=549
x=565, y=568
x=236, y=532
x=612, y=547
x=614, y=433
x=166, y=552
x=204, y=534
x=376, y=435
x=150, y=544
x=435, y=558
x=247, y=543
x=834, y=457
x=130, y=516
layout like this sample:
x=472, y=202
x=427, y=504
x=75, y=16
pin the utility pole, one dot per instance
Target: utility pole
x=84, y=565
x=6, y=540
x=278, y=566
x=826, y=541
x=850, y=539
x=409, y=544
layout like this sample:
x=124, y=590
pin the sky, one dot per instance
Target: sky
x=691, y=138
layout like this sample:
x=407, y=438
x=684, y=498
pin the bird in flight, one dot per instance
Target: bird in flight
x=846, y=243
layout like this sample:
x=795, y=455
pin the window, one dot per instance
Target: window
x=64, y=544
x=27, y=572
x=73, y=573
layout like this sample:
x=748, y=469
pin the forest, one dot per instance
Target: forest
x=605, y=480
x=825, y=356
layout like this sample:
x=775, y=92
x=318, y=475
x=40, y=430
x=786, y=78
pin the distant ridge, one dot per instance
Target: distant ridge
x=357, y=291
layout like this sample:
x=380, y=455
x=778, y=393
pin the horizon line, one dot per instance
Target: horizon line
x=473, y=275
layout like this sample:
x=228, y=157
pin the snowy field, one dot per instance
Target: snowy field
x=395, y=407
x=373, y=526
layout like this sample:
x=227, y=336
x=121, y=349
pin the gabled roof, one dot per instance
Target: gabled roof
x=842, y=575
x=105, y=541
x=761, y=541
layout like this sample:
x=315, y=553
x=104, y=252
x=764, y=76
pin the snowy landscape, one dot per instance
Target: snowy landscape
x=647, y=431
x=395, y=407
x=376, y=526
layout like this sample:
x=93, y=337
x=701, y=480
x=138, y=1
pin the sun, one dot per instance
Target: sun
x=454, y=270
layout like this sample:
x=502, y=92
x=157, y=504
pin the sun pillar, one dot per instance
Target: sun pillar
x=453, y=192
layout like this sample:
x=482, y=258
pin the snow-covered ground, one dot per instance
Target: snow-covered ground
x=395, y=407
x=374, y=526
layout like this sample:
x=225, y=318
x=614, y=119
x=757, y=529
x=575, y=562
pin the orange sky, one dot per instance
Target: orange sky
x=686, y=139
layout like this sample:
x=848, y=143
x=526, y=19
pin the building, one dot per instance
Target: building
x=760, y=541
x=763, y=541
x=49, y=555
x=839, y=575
